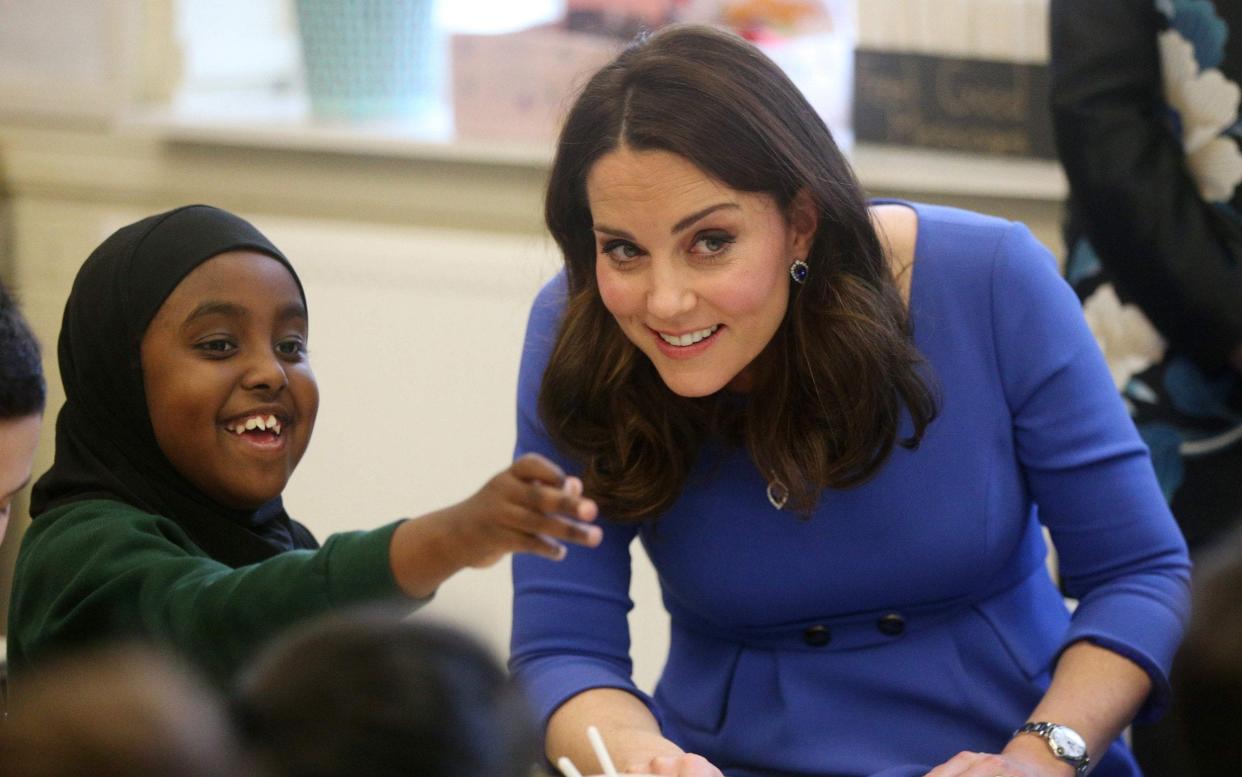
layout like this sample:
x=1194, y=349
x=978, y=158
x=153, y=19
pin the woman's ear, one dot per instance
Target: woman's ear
x=803, y=219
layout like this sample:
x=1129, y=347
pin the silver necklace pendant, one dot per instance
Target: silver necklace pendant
x=777, y=494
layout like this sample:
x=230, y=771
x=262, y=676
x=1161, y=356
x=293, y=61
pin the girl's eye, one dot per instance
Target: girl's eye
x=217, y=347
x=621, y=251
x=711, y=243
x=292, y=347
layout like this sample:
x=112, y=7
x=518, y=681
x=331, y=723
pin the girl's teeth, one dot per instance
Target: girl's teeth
x=260, y=423
x=690, y=338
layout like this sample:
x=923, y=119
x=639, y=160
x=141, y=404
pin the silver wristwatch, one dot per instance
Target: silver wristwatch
x=1064, y=742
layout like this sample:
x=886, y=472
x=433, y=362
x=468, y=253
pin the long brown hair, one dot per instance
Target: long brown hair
x=826, y=405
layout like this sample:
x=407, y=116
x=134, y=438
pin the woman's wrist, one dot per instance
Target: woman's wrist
x=629, y=730
x=1033, y=750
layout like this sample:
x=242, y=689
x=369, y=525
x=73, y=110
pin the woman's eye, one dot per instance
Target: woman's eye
x=711, y=244
x=621, y=251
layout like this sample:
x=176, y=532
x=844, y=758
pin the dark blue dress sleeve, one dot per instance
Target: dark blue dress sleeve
x=570, y=628
x=1119, y=550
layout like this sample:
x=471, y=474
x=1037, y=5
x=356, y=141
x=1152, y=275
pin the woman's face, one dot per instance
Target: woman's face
x=229, y=388
x=696, y=273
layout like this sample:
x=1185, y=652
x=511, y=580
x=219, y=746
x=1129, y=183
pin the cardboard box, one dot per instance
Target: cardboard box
x=915, y=99
x=518, y=86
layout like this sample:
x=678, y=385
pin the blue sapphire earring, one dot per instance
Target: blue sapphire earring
x=799, y=270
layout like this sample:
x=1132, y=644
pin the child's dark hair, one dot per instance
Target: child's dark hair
x=368, y=692
x=1207, y=675
x=23, y=390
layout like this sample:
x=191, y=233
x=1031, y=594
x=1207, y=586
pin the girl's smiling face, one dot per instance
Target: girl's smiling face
x=695, y=273
x=229, y=388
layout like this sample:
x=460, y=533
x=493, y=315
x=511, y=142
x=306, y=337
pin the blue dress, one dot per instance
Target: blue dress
x=911, y=617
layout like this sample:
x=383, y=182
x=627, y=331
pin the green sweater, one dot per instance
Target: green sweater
x=104, y=569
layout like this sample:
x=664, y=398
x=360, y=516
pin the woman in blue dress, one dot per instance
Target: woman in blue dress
x=837, y=428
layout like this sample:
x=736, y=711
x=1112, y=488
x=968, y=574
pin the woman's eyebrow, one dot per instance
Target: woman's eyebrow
x=611, y=231
x=678, y=227
x=693, y=217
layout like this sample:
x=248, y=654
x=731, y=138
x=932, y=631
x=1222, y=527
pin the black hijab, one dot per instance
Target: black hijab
x=105, y=444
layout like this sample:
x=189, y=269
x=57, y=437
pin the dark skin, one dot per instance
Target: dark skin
x=228, y=347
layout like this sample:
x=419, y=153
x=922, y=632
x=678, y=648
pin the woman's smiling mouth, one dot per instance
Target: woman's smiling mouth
x=688, y=344
x=690, y=338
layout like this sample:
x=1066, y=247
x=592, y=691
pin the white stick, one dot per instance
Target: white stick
x=567, y=767
x=601, y=752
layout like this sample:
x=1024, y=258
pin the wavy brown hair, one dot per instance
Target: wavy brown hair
x=825, y=408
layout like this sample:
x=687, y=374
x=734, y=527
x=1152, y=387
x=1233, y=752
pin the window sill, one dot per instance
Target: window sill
x=286, y=125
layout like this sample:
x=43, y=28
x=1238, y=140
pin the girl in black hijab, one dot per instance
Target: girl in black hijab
x=189, y=401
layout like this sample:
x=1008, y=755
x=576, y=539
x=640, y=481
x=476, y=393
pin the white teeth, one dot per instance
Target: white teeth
x=690, y=338
x=261, y=423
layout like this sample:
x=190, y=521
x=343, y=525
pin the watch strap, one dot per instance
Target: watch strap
x=1045, y=730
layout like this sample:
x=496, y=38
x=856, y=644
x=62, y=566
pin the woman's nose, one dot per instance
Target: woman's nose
x=670, y=293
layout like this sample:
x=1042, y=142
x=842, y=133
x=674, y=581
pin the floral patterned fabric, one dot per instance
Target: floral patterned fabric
x=1146, y=102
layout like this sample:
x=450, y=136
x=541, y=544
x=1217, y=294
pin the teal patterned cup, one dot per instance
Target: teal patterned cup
x=369, y=59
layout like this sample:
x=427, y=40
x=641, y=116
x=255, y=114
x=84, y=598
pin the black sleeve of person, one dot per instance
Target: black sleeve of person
x=1132, y=194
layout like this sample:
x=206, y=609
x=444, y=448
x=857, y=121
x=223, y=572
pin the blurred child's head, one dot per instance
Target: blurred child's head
x=1207, y=675
x=366, y=692
x=119, y=711
x=188, y=390
x=23, y=394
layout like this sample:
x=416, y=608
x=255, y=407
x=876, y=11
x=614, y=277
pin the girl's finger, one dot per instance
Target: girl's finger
x=538, y=545
x=532, y=466
x=555, y=500
x=560, y=528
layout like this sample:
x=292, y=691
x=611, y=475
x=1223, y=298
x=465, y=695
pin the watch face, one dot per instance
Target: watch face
x=1067, y=742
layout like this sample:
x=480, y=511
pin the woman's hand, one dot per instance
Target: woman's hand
x=1025, y=756
x=530, y=507
x=684, y=765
